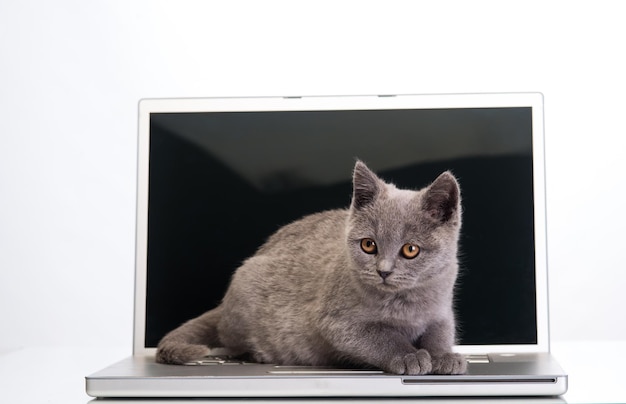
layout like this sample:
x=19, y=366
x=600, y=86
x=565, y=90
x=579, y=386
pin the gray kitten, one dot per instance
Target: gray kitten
x=369, y=286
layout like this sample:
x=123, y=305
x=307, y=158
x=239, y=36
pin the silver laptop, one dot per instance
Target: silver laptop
x=217, y=176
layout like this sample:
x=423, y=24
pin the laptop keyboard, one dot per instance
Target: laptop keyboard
x=219, y=360
x=224, y=360
x=477, y=358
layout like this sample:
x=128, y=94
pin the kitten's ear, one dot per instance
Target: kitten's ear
x=443, y=198
x=365, y=185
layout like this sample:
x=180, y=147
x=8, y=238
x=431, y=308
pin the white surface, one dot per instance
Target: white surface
x=56, y=375
x=72, y=72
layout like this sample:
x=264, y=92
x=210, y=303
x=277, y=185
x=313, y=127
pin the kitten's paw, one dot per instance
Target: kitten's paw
x=416, y=363
x=261, y=357
x=449, y=364
x=180, y=353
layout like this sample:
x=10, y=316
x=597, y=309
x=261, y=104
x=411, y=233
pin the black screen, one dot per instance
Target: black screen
x=221, y=183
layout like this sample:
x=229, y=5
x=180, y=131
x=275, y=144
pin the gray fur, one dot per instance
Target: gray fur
x=312, y=296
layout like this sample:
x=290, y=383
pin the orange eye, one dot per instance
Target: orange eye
x=369, y=246
x=410, y=251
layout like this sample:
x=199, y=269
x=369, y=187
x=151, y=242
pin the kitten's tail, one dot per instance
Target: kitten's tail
x=191, y=340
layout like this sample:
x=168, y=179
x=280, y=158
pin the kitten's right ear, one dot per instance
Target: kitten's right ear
x=365, y=185
x=443, y=197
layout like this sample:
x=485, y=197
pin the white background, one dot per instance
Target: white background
x=72, y=72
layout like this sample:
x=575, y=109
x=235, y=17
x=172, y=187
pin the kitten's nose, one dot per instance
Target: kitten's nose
x=383, y=274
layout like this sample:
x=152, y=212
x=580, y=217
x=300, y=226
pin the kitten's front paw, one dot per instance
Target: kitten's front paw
x=416, y=363
x=449, y=364
x=179, y=353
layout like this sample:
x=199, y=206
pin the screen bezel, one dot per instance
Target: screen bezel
x=257, y=104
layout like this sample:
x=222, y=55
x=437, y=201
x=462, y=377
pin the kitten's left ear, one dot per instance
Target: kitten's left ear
x=366, y=186
x=443, y=198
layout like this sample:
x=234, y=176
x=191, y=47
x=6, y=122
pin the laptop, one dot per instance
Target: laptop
x=218, y=176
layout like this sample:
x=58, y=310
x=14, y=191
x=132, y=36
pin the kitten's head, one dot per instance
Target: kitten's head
x=400, y=239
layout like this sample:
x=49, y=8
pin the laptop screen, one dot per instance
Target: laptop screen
x=220, y=183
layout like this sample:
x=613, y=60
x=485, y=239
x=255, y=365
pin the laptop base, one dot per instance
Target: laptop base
x=519, y=375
